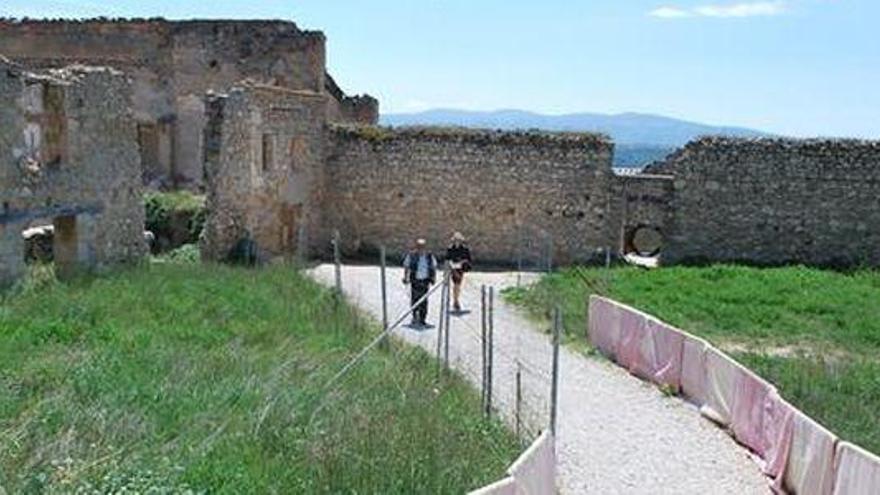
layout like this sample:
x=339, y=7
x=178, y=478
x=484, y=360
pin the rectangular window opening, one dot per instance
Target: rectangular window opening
x=268, y=151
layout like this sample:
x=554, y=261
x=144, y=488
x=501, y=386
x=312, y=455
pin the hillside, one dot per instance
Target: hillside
x=639, y=138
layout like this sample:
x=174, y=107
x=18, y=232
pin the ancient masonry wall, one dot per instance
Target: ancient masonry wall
x=363, y=109
x=774, y=201
x=173, y=64
x=503, y=190
x=640, y=203
x=264, y=165
x=68, y=156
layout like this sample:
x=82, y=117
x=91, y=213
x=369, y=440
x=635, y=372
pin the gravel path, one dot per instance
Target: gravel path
x=616, y=434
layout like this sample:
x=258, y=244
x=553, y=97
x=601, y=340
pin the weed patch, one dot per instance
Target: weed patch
x=173, y=377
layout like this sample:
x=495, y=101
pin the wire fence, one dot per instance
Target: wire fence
x=519, y=387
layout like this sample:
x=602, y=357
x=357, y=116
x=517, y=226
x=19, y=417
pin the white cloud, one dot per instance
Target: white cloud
x=669, y=13
x=744, y=9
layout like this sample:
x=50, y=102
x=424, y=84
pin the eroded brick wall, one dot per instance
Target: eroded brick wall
x=500, y=189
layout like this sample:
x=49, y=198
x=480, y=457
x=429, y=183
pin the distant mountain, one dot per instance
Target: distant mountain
x=639, y=138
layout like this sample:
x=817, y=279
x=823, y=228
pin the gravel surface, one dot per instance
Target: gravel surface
x=616, y=434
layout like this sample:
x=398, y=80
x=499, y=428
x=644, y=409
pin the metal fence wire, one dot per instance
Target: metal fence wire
x=513, y=384
x=534, y=251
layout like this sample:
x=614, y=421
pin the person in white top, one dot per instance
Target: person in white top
x=420, y=272
x=458, y=254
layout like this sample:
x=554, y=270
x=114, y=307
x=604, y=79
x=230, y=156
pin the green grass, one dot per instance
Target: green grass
x=172, y=377
x=814, y=333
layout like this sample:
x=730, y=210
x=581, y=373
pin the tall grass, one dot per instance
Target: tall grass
x=815, y=333
x=176, y=377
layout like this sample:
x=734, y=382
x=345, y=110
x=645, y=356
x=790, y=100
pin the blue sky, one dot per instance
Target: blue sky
x=799, y=67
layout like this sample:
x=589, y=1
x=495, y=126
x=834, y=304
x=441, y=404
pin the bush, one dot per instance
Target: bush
x=186, y=254
x=176, y=218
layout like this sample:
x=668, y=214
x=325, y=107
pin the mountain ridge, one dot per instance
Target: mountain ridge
x=627, y=128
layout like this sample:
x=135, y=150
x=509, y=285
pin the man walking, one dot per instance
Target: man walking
x=420, y=271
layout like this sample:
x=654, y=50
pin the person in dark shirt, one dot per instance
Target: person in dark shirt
x=419, y=271
x=458, y=254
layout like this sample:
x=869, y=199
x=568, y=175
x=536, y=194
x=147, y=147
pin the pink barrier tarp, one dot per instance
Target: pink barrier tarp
x=507, y=486
x=535, y=470
x=642, y=344
x=777, y=429
x=800, y=455
x=722, y=374
x=810, y=467
x=604, y=325
x=632, y=333
x=660, y=356
x=693, y=369
x=749, y=409
x=857, y=471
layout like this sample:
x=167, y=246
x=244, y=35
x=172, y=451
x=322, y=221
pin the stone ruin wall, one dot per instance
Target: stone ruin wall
x=173, y=64
x=506, y=191
x=68, y=156
x=774, y=201
x=363, y=109
x=264, y=165
x=640, y=203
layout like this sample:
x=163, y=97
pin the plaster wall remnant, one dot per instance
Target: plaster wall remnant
x=172, y=65
x=775, y=201
x=265, y=170
x=68, y=152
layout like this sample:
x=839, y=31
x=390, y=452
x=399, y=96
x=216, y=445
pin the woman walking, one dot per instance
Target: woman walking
x=458, y=254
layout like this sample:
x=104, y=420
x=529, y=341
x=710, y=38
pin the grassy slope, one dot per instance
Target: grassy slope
x=814, y=333
x=174, y=376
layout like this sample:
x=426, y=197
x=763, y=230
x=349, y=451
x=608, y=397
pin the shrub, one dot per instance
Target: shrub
x=176, y=218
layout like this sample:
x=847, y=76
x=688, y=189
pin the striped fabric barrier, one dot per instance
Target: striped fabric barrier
x=604, y=325
x=693, y=365
x=533, y=473
x=507, y=486
x=644, y=345
x=857, y=471
x=777, y=428
x=798, y=454
x=810, y=468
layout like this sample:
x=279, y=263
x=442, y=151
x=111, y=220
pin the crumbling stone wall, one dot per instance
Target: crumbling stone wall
x=173, y=64
x=386, y=186
x=264, y=165
x=772, y=201
x=68, y=154
x=641, y=212
x=362, y=109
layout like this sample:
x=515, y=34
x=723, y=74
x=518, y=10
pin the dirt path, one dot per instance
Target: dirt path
x=615, y=433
